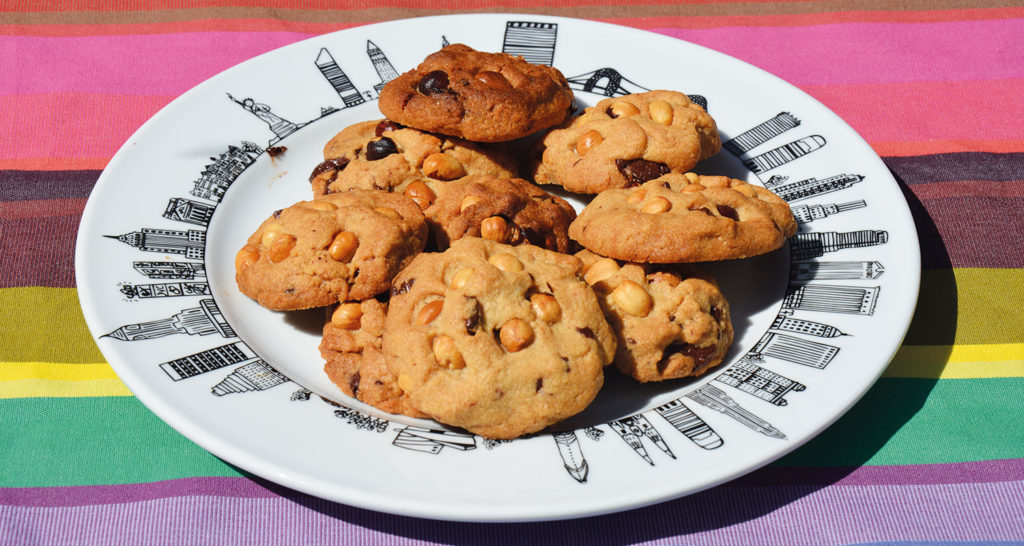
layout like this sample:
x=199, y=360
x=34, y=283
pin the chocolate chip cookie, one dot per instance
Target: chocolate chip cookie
x=344, y=246
x=507, y=210
x=625, y=141
x=500, y=340
x=351, y=347
x=383, y=155
x=684, y=218
x=479, y=96
x=671, y=321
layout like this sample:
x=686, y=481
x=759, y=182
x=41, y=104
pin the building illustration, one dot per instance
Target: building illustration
x=189, y=243
x=752, y=379
x=165, y=290
x=803, y=189
x=569, y=450
x=796, y=350
x=217, y=176
x=196, y=321
x=188, y=211
x=381, y=64
x=432, y=441
x=605, y=81
x=340, y=81
x=827, y=298
x=808, y=213
x=254, y=376
x=784, y=154
x=689, y=424
x=715, y=398
x=784, y=322
x=535, y=42
x=761, y=133
x=634, y=429
x=171, y=270
x=849, y=270
x=208, y=360
x=806, y=246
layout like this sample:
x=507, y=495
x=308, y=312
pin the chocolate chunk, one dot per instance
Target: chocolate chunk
x=586, y=331
x=275, y=151
x=728, y=212
x=473, y=320
x=353, y=383
x=329, y=165
x=402, y=288
x=380, y=148
x=433, y=83
x=386, y=125
x=701, y=355
x=638, y=171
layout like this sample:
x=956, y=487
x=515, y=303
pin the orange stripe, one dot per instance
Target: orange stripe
x=41, y=208
x=54, y=163
x=911, y=148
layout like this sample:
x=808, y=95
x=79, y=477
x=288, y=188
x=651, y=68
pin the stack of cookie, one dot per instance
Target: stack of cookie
x=461, y=291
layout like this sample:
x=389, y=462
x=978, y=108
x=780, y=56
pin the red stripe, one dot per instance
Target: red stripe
x=41, y=208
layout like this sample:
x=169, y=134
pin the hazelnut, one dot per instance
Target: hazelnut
x=343, y=247
x=441, y=166
x=495, y=228
x=506, y=262
x=493, y=80
x=429, y=312
x=661, y=111
x=516, y=335
x=247, y=256
x=461, y=277
x=421, y=194
x=468, y=201
x=656, y=205
x=637, y=196
x=632, y=298
x=600, y=270
x=388, y=211
x=326, y=206
x=270, y=233
x=281, y=247
x=546, y=307
x=620, y=109
x=347, y=315
x=446, y=353
x=587, y=141
x=692, y=177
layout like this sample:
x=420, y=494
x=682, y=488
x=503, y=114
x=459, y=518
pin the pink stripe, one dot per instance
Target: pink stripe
x=162, y=64
x=725, y=515
x=873, y=52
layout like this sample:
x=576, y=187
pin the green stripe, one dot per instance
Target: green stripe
x=94, y=441
x=968, y=306
x=43, y=324
x=911, y=421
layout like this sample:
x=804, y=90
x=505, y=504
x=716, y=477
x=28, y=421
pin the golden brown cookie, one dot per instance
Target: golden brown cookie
x=684, y=218
x=625, y=141
x=500, y=340
x=383, y=155
x=479, y=96
x=351, y=347
x=671, y=321
x=507, y=210
x=344, y=246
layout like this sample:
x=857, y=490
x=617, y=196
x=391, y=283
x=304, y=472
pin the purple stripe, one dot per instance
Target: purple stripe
x=29, y=185
x=1001, y=470
x=731, y=514
x=38, y=251
x=958, y=166
x=138, y=492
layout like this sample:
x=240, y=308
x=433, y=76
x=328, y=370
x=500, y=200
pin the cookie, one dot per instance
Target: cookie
x=383, y=155
x=625, y=141
x=506, y=210
x=684, y=218
x=671, y=321
x=354, y=361
x=344, y=246
x=499, y=340
x=479, y=96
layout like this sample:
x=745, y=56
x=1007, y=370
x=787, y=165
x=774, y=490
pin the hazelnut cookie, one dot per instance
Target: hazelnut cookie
x=344, y=246
x=500, y=340
x=671, y=321
x=684, y=218
x=625, y=141
x=479, y=96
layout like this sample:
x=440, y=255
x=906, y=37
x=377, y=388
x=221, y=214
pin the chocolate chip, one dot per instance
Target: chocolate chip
x=402, y=288
x=716, y=313
x=329, y=165
x=433, y=83
x=701, y=355
x=728, y=212
x=586, y=331
x=540, y=384
x=386, y=125
x=353, y=383
x=638, y=171
x=275, y=151
x=380, y=148
x=473, y=320
x=277, y=213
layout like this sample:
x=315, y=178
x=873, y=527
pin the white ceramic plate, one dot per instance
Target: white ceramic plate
x=817, y=322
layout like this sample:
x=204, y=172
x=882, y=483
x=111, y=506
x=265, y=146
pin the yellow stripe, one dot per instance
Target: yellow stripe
x=958, y=361
x=35, y=379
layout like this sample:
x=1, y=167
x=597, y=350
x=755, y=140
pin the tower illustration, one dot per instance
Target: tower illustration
x=535, y=42
x=190, y=243
x=809, y=271
x=761, y=133
x=805, y=246
x=572, y=455
x=784, y=154
x=198, y=321
x=280, y=126
x=381, y=64
x=795, y=191
x=692, y=426
x=634, y=429
x=171, y=270
x=186, y=210
x=254, y=376
x=809, y=213
x=338, y=79
x=715, y=398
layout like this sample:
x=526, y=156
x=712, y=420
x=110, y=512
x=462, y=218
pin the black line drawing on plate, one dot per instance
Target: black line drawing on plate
x=165, y=290
x=762, y=383
x=361, y=421
x=806, y=246
x=194, y=321
x=381, y=64
x=535, y=42
x=808, y=213
x=189, y=211
x=634, y=429
x=805, y=352
x=278, y=125
x=761, y=133
x=190, y=243
x=693, y=427
x=605, y=81
x=171, y=270
x=569, y=450
x=715, y=398
x=593, y=433
x=208, y=360
x=784, y=322
x=784, y=154
x=340, y=81
x=828, y=298
x=444, y=41
x=803, y=189
x=254, y=376
x=432, y=441
x=217, y=176
x=301, y=395
x=850, y=270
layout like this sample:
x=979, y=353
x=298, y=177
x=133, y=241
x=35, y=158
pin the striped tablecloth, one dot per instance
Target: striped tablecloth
x=934, y=452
